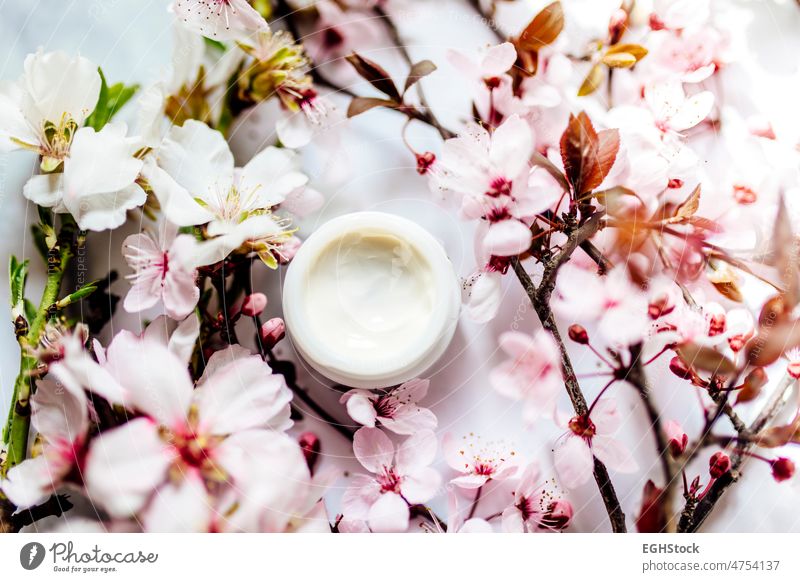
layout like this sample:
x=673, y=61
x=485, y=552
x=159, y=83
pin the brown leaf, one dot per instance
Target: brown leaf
x=619, y=60
x=579, y=145
x=688, y=207
x=637, y=51
x=361, y=105
x=785, y=254
x=544, y=28
x=703, y=358
x=417, y=72
x=593, y=80
x=606, y=154
x=752, y=385
x=587, y=155
x=376, y=75
x=778, y=436
x=772, y=341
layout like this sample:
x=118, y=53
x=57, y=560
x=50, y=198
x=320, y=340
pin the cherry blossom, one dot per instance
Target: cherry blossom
x=535, y=509
x=395, y=409
x=478, y=461
x=492, y=179
x=533, y=372
x=490, y=76
x=401, y=476
x=590, y=436
x=193, y=176
x=617, y=306
x=219, y=19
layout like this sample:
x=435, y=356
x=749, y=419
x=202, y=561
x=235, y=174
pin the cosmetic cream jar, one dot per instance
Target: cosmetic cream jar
x=371, y=300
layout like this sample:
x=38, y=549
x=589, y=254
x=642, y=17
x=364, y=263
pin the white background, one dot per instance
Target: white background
x=131, y=40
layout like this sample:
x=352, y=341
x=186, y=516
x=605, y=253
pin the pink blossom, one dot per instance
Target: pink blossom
x=617, y=306
x=60, y=417
x=400, y=476
x=482, y=294
x=337, y=34
x=490, y=76
x=186, y=437
x=588, y=437
x=164, y=272
x=676, y=437
x=673, y=111
x=534, y=508
x=492, y=178
x=533, y=372
x=396, y=409
x=478, y=461
x=219, y=19
x=315, y=114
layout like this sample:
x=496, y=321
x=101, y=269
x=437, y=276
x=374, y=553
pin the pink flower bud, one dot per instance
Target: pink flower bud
x=782, y=469
x=719, y=464
x=559, y=514
x=272, y=332
x=425, y=162
x=680, y=369
x=254, y=304
x=311, y=446
x=578, y=334
x=678, y=440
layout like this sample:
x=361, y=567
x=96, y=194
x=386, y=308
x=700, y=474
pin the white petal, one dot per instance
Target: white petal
x=242, y=395
x=45, y=190
x=57, y=83
x=416, y=452
x=176, y=202
x=182, y=507
x=573, y=461
x=124, y=466
x=373, y=449
x=421, y=485
x=361, y=409
x=389, y=514
x=614, y=454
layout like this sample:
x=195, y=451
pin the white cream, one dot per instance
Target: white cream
x=369, y=295
x=371, y=300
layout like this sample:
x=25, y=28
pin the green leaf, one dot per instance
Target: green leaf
x=81, y=293
x=17, y=275
x=111, y=100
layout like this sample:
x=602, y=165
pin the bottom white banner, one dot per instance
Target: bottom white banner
x=724, y=557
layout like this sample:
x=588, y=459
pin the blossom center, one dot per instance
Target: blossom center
x=583, y=427
x=389, y=481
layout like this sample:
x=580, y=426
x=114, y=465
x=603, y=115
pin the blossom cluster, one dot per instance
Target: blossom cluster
x=584, y=170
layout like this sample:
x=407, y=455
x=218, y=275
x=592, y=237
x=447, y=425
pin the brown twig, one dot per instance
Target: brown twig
x=706, y=505
x=539, y=298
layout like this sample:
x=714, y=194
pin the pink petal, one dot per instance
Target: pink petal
x=59, y=411
x=361, y=408
x=614, y=454
x=606, y=417
x=373, y=449
x=125, y=465
x=388, y=514
x=409, y=419
x=421, y=485
x=573, y=461
x=512, y=521
x=507, y=238
x=241, y=395
x=469, y=481
x=416, y=451
x=182, y=507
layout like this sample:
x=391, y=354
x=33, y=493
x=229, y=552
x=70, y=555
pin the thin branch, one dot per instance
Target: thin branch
x=540, y=301
x=489, y=20
x=712, y=497
x=400, y=45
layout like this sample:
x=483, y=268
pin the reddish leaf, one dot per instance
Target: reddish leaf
x=708, y=359
x=544, y=28
x=587, y=155
x=376, y=75
x=606, y=154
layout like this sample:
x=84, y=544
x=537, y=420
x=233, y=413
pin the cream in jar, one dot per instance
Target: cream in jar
x=371, y=300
